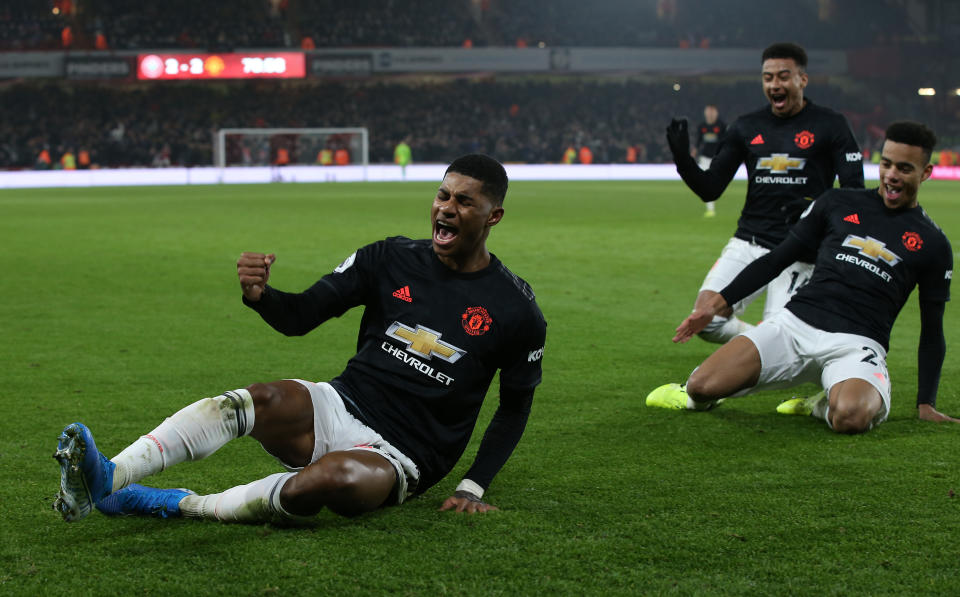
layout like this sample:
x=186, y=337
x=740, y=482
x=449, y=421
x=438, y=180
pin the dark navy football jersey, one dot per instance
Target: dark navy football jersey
x=869, y=260
x=789, y=161
x=709, y=137
x=429, y=344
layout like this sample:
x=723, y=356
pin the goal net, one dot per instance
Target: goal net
x=291, y=147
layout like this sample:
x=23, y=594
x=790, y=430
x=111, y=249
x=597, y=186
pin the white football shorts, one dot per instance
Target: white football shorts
x=336, y=429
x=738, y=254
x=793, y=352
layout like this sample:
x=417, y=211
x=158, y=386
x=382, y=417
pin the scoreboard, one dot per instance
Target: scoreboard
x=231, y=65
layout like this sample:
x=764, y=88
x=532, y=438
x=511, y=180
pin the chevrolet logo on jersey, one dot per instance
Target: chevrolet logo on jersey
x=425, y=342
x=780, y=163
x=872, y=248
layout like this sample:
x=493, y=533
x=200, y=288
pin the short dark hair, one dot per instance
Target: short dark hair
x=485, y=169
x=913, y=133
x=786, y=50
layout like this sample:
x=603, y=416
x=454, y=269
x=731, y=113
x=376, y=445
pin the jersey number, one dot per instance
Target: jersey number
x=871, y=355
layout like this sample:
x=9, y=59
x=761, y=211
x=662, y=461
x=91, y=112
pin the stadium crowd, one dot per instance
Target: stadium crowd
x=133, y=24
x=519, y=120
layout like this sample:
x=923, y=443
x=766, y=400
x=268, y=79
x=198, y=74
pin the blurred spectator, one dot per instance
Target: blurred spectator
x=44, y=161
x=402, y=156
x=325, y=157
x=68, y=161
x=585, y=156
x=83, y=159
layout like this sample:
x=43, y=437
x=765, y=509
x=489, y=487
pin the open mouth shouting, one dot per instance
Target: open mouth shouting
x=778, y=101
x=444, y=234
x=892, y=193
x=896, y=195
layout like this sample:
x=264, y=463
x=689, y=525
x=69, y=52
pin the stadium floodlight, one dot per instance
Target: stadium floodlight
x=291, y=146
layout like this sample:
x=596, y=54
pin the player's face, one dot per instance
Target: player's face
x=462, y=216
x=902, y=168
x=783, y=84
x=710, y=114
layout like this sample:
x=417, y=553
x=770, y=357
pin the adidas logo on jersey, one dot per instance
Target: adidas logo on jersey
x=852, y=218
x=758, y=140
x=403, y=294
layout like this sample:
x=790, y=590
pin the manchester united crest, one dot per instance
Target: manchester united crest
x=804, y=139
x=476, y=321
x=912, y=241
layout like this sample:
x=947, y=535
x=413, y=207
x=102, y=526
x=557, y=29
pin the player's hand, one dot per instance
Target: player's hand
x=464, y=501
x=692, y=325
x=253, y=269
x=678, y=138
x=704, y=311
x=925, y=412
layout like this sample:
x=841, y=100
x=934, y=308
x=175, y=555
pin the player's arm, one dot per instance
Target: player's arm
x=930, y=355
x=847, y=159
x=753, y=277
x=501, y=437
x=292, y=314
x=707, y=184
x=295, y=314
x=520, y=373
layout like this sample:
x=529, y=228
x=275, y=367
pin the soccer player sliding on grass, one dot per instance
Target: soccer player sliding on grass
x=872, y=247
x=441, y=316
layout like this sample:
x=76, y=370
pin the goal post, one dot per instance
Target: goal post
x=291, y=146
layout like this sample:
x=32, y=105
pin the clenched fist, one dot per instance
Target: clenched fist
x=253, y=269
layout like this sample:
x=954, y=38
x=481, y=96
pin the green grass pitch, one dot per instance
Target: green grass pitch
x=121, y=305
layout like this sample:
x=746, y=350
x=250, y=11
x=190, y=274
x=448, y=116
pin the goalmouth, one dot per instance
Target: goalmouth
x=291, y=147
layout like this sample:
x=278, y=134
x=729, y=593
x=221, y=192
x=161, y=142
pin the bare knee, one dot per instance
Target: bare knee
x=339, y=483
x=844, y=419
x=306, y=495
x=854, y=404
x=701, y=387
x=283, y=420
x=733, y=367
x=265, y=396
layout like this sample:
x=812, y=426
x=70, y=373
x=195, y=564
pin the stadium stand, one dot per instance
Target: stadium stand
x=519, y=118
x=136, y=24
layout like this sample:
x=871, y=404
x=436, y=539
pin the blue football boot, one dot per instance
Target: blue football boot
x=140, y=500
x=86, y=475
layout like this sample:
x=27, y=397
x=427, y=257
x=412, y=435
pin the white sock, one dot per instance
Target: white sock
x=192, y=433
x=711, y=207
x=821, y=408
x=722, y=329
x=706, y=405
x=255, y=502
